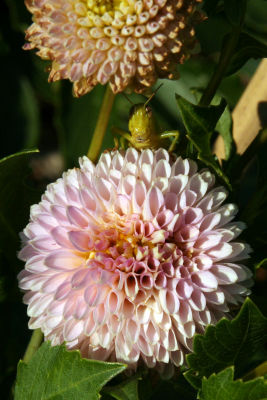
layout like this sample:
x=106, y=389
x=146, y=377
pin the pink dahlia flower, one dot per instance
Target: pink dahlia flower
x=123, y=42
x=128, y=259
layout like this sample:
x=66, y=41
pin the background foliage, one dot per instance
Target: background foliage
x=35, y=114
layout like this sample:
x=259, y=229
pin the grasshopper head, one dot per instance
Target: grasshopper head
x=141, y=122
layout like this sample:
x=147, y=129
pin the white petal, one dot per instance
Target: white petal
x=227, y=212
x=169, y=301
x=38, y=306
x=162, y=169
x=224, y=275
x=139, y=196
x=132, y=330
x=217, y=297
x=197, y=300
x=178, y=184
x=205, y=280
x=198, y=185
x=72, y=329
x=153, y=202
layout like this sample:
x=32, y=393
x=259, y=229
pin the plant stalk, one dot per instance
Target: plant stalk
x=219, y=72
x=101, y=125
x=257, y=372
x=34, y=344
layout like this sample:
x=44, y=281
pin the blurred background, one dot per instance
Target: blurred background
x=36, y=114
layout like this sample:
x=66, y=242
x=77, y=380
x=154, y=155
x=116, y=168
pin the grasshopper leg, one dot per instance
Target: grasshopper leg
x=123, y=137
x=174, y=134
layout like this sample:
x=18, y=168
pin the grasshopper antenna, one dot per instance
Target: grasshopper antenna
x=153, y=94
x=127, y=98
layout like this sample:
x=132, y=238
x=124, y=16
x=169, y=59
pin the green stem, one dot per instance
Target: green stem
x=101, y=125
x=261, y=370
x=219, y=72
x=34, y=344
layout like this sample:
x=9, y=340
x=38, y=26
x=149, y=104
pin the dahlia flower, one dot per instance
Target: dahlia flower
x=123, y=42
x=128, y=259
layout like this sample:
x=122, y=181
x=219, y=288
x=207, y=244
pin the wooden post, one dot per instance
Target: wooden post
x=246, y=119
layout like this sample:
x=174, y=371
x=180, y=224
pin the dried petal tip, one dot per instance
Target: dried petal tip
x=124, y=42
x=128, y=259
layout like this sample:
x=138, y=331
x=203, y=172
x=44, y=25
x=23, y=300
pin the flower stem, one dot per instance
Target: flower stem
x=261, y=370
x=101, y=125
x=219, y=72
x=34, y=344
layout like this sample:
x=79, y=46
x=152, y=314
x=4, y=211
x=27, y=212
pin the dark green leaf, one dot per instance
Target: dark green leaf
x=235, y=11
x=199, y=119
x=252, y=196
x=223, y=387
x=255, y=21
x=200, y=122
x=30, y=109
x=15, y=199
x=16, y=196
x=247, y=47
x=127, y=390
x=211, y=33
x=210, y=6
x=224, y=125
x=57, y=374
x=256, y=205
x=239, y=342
x=152, y=387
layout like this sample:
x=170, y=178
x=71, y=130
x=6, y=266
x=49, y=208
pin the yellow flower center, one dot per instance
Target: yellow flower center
x=100, y=7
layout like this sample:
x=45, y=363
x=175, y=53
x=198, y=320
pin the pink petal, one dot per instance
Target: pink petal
x=81, y=240
x=60, y=235
x=63, y=260
x=77, y=217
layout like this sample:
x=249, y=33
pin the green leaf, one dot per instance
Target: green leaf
x=16, y=196
x=224, y=127
x=247, y=47
x=57, y=374
x=261, y=264
x=200, y=122
x=235, y=11
x=127, y=390
x=211, y=33
x=223, y=387
x=240, y=342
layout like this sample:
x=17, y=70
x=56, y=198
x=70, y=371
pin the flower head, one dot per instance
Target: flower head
x=123, y=42
x=128, y=259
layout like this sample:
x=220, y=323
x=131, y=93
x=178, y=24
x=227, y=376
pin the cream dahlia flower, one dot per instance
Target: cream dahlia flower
x=128, y=259
x=123, y=42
